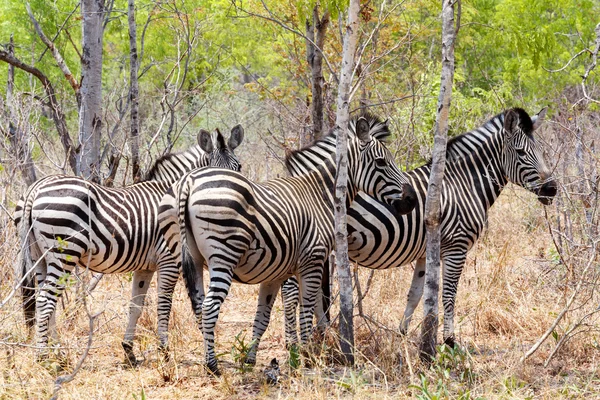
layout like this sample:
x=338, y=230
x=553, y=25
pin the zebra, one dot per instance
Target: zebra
x=479, y=164
x=66, y=221
x=264, y=233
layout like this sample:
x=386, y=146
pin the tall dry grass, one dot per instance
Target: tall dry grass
x=508, y=296
x=517, y=280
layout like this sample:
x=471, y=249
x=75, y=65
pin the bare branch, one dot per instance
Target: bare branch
x=56, y=54
x=592, y=65
x=568, y=62
x=57, y=114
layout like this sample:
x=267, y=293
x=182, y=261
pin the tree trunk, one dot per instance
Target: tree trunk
x=341, y=231
x=432, y=204
x=133, y=94
x=315, y=33
x=90, y=113
x=15, y=134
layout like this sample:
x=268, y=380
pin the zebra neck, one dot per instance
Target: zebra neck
x=474, y=160
x=169, y=168
x=321, y=156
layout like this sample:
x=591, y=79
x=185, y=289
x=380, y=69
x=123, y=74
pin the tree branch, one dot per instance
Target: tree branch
x=56, y=54
x=57, y=114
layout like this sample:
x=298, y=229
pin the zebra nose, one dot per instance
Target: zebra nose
x=547, y=192
x=408, y=201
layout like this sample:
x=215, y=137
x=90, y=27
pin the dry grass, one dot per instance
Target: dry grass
x=509, y=294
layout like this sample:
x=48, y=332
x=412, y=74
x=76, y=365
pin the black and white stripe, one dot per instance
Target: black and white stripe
x=264, y=233
x=66, y=222
x=479, y=164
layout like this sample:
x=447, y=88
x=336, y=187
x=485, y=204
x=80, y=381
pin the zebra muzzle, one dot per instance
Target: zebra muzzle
x=547, y=192
x=407, y=201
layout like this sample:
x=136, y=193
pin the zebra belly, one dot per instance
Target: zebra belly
x=75, y=240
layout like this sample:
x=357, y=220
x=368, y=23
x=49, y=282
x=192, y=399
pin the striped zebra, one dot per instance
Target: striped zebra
x=479, y=164
x=264, y=233
x=66, y=222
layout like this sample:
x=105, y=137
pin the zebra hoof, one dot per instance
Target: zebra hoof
x=250, y=360
x=213, y=368
x=450, y=341
x=130, y=359
x=164, y=352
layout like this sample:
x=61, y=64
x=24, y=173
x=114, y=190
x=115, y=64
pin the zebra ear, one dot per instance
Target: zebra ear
x=538, y=118
x=237, y=135
x=511, y=122
x=362, y=130
x=205, y=141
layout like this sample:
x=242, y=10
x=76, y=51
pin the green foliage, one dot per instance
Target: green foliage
x=142, y=395
x=239, y=66
x=353, y=381
x=294, y=359
x=240, y=350
x=451, y=373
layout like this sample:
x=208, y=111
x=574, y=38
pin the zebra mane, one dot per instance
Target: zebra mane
x=378, y=130
x=195, y=153
x=465, y=143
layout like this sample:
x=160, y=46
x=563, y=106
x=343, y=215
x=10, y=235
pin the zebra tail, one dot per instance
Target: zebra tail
x=24, y=268
x=188, y=266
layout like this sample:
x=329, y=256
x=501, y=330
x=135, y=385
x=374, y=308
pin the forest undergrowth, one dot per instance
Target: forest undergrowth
x=511, y=291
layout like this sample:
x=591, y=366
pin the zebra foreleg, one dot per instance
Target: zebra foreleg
x=309, y=286
x=139, y=288
x=414, y=294
x=289, y=296
x=220, y=283
x=453, y=266
x=267, y=294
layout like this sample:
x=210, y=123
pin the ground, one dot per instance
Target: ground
x=511, y=291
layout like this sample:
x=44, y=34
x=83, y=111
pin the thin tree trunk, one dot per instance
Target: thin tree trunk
x=341, y=231
x=90, y=121
x=57, y=114
x=315, y=32
x=133, y=94
x=15, y=135
x=432, y=204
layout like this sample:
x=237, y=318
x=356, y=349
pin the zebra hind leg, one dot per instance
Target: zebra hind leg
x=267, y=294
x=414, y=294
x=220, y=283
x=139, y=288
x=51, y=289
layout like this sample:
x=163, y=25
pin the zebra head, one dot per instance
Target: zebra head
x=220, y=154
x=376, y=172
x=522, y=156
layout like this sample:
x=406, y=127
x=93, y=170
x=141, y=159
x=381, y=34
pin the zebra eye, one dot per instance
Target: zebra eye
x=380, y=162
x=521, y=152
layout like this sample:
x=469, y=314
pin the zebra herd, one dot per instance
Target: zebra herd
x=196, y=210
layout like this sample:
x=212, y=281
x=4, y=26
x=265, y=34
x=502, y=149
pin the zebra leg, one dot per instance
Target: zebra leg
x=453, y=266
x=51, y=288
x=139, y=288
x=168, y=274
x=267, y=293
x=309, y=286
x=414, y=294
x=220, y=282
x=321, y=312
x=290, y=297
